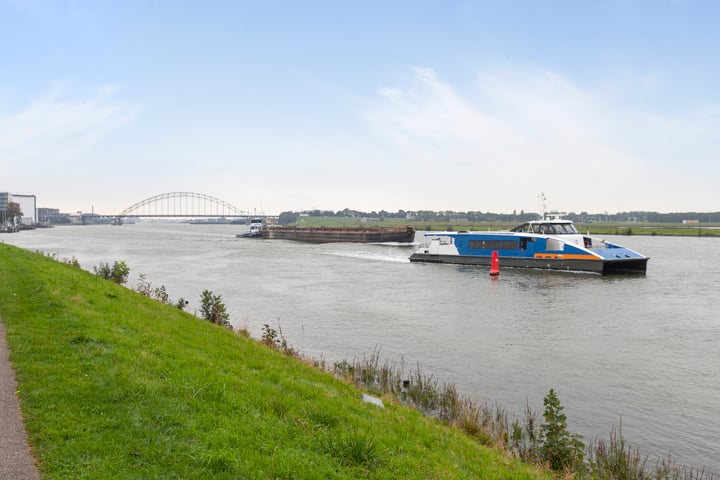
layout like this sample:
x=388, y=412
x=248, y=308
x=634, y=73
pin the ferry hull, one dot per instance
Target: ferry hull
x=602, y=267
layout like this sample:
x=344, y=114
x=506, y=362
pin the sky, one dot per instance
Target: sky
x=603, y=106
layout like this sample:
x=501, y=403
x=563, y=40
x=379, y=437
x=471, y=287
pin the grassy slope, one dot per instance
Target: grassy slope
x=114, y=385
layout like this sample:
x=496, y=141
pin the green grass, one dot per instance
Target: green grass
x=115, y=385
x=597, y=228
x=659, y=229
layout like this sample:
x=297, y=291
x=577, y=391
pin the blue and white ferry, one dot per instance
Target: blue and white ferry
x=553, y=244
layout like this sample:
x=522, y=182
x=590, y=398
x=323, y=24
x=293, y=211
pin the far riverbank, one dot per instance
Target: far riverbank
x=592, y=228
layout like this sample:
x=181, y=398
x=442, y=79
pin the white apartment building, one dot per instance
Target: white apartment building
x=28, y=205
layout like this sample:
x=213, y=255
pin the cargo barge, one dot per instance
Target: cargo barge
x=330, y=235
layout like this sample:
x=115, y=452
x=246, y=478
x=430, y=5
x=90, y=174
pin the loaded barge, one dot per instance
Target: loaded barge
x=330, y=235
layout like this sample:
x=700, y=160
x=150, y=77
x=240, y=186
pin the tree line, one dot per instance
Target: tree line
x=288, y=217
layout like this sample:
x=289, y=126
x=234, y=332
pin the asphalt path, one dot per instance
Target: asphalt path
x=16, y=460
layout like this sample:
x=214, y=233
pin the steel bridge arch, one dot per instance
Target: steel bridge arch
x=182, y=204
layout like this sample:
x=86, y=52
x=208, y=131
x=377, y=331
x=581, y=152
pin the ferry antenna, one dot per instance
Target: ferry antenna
x=543, y=199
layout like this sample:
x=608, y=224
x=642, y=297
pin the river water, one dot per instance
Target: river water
x=644, y=350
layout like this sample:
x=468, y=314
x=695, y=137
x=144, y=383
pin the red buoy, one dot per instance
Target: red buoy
x=494, y=264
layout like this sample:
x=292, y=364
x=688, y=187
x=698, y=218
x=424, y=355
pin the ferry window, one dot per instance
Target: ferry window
x=554, y=244
x=525, y=227
x=566, y=228
x=493, y=244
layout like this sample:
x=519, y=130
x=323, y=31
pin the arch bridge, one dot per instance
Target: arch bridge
x=182, y=204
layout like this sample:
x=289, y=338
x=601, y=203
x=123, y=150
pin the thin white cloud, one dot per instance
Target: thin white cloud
x=431, y=117
x=518, y=133
x=53, y=128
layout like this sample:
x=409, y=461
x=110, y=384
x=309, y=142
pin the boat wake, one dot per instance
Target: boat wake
x=374, y=257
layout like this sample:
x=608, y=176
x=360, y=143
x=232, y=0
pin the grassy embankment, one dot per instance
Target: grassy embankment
x=596, y=228
x=116, y=385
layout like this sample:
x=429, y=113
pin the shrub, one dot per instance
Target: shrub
x=143, y=287
x=615, y=459
x=269, y=336
x=160, y=294
x=525, y=437
x=118, y=273
x=559, y=449
x=213, y=309
x=71, y=261
x=181, y=303
x=103, y=270
x=277, y=341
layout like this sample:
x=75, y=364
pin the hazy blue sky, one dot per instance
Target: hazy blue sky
x=288, y=105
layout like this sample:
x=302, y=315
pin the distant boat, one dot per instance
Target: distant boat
x=210, y=221
x=255, y=229
x=553, y=244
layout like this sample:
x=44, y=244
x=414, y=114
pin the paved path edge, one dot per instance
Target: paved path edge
x=16, y=460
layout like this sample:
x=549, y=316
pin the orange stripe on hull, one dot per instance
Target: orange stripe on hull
x=566, y=256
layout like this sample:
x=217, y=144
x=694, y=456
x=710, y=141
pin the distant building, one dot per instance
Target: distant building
x=47, y=215
x=4, y=200
x=691, y=222
x=28, y=205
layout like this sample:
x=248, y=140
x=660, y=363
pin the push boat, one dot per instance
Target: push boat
x=553, y=244
x=254, y=230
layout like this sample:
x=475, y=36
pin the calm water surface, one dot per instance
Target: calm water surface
x=644, y=350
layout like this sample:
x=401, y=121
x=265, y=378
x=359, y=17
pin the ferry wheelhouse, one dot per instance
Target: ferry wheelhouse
x=553, y=244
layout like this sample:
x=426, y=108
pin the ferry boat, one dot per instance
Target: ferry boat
x=553, y=244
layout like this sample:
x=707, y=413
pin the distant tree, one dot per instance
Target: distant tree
x=13, y=210
x=286, y=218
